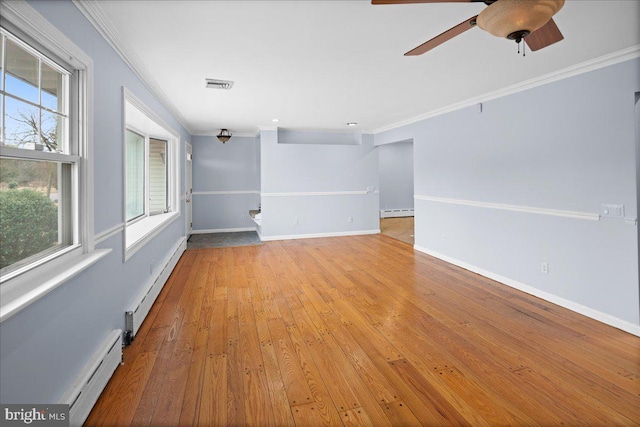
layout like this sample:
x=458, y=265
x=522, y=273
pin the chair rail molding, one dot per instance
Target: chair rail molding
x=589, y=216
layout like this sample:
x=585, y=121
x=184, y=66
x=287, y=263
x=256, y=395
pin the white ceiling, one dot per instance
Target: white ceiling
x=320, y=64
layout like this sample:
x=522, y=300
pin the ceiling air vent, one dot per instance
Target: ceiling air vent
x=219, y=84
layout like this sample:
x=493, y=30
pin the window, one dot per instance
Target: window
x=46, y=171
x=141, y=151
x=151, y=174
x=39, y=161
x=135, y=175
x=157, y=176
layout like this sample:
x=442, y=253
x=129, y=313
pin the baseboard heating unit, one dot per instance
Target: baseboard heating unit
x=137, y=314
x=85, y=391
x=395, y=213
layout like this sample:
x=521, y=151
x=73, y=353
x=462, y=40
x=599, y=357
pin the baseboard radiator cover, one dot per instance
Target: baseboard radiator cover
x=137, y=314
x=396, y=213
x=84, y=392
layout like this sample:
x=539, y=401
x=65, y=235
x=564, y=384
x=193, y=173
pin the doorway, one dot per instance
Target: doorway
x=395, y=166
x=399, y=228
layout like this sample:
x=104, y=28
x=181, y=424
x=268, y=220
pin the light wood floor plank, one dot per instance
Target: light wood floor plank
x=235, y=393
x=291, y=368
x=280, y=405
x=213, y=397
x=257, y=399
x=316, y=414
x=190, y=412
x=399, y=414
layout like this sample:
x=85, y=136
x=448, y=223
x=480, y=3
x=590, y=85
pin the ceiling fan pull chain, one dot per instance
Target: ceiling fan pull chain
x=524, y=46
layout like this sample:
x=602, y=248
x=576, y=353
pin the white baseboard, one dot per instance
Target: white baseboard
x=396, y=213
x=318, y=235
x=136, y=315
x=562, y=302
x=84, y=392
x=223, y=230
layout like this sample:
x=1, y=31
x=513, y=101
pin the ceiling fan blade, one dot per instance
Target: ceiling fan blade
x=421, y=1
x=447, y=35
x=544, y=36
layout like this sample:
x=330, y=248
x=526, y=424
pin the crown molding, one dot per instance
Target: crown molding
x=574, y=70
x=20, y=13
x=92, y=10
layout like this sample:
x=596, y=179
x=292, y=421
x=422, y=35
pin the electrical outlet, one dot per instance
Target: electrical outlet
x=350, y=219
x=612, y=211
x=545, y=267
x=241, y=216
x=296, y=222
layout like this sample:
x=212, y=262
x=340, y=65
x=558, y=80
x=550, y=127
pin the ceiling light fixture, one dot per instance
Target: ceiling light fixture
x=224, y=135
x=516, y=19
x=352, y=124
x=275, y=120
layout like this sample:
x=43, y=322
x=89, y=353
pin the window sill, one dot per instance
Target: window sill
x=141, y=232
x=24, y=290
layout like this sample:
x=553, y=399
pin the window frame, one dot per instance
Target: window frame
x=167, y=169
x=21, y=290
x=52, y=62
x=68, y=228
x=129, y=128
x=139, y=118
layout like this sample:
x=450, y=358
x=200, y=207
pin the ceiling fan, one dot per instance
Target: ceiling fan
x=528, y=20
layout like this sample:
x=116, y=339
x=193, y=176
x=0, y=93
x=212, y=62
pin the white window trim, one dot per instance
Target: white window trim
x=144, y=213
x=23, y=290
x=141, y=231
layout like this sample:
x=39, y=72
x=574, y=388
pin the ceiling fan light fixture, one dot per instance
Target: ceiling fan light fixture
x=515, y=19
x=224, y=135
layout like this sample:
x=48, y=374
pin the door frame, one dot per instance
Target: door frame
x=188, y=189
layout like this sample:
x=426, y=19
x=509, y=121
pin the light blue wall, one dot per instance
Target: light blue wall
x=395, y=165
x=44, y=347
x=567, y=146
x=297, y=136
x=290, y=171
x=231, y=168
x=317, y=167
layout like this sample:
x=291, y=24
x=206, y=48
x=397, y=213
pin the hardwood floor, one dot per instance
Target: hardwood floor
x=363, y=331
x=398, y=228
